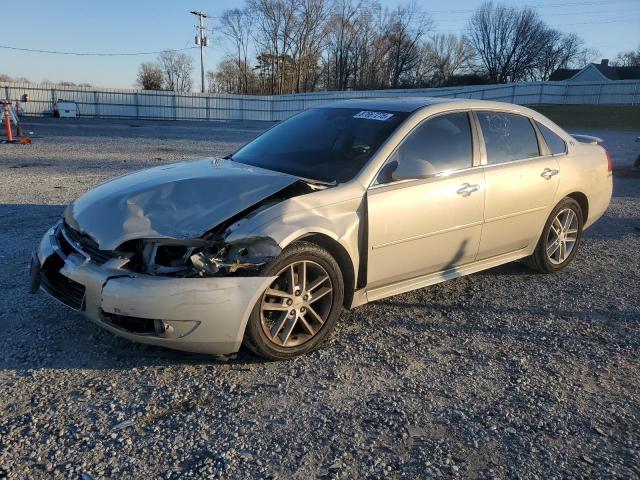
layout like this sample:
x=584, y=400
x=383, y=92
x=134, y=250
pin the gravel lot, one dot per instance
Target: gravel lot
x=504, y=374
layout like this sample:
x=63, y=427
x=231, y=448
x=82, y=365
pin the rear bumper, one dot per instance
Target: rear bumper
x=205, y=315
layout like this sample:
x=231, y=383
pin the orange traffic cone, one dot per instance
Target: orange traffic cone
x=7, y=121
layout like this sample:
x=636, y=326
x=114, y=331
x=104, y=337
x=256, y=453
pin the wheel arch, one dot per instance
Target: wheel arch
x=340, y=254
x=583, y=201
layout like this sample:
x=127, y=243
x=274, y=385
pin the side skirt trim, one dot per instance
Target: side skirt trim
x=439, y=277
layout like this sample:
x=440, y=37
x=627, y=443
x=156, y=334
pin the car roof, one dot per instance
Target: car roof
x=394, y=104
x=412, y=104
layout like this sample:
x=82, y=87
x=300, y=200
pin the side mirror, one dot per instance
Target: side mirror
x=413, y=169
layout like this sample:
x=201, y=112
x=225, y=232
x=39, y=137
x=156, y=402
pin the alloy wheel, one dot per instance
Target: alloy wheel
x=297, y=304
x=562, y=236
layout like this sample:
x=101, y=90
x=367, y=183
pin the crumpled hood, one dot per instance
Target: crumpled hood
x=179, y=201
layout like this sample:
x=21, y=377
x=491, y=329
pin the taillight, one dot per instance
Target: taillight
x=609, y=160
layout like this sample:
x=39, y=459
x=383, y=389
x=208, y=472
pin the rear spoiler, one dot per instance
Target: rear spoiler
x=587, y=139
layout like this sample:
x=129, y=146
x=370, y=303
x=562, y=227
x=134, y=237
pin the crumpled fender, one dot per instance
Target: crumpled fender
x=301, y=216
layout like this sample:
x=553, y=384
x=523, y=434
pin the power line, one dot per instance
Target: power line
x=614, y=44
x=597, y=22
x=555, y=14
x=88, y=54
x=577, y=4
x=593, y=12
x=543, y=5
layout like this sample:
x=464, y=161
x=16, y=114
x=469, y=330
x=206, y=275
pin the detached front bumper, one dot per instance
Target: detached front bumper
x=205, y=315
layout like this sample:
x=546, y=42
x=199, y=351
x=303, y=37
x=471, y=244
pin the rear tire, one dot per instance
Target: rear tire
x=298, y=311
x=560, y=238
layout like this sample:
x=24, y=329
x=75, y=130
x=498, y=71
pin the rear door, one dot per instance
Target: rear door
x=521, y=180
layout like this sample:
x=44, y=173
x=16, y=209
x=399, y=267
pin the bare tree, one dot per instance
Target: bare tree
x=371, y=48
x=559, y=51
x=150, y=76
x=447, y=55
x=275, y=27
x=268, y=21
x=307, y=42
x=341, y=41
x=423, y=74
x=226, y=79
x=586, y=56
x=629, y=59
x=229, y=77
x=406, y=28
x=305, y=45
x=507, y=40
x=289, y=36
x=176, y=69
x=236, y=26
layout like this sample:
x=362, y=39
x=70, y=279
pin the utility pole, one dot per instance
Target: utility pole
x=203, y=41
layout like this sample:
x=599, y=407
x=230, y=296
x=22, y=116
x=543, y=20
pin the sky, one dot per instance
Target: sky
x=126, y=26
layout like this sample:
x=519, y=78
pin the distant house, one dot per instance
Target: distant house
x=596, y=72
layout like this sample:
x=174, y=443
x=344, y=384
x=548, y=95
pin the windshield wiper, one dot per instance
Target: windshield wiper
x=333, y=183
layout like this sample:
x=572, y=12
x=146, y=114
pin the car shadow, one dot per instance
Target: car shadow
x=513, y=269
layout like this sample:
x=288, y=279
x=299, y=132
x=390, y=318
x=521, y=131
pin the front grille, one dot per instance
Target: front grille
x=57, y=285
x=71, y=240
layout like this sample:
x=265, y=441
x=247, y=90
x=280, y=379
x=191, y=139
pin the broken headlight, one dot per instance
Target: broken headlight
x=206, y=258
x=247, y=253
x=168, y=257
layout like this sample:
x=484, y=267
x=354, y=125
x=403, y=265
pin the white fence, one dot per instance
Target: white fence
x=161, y=105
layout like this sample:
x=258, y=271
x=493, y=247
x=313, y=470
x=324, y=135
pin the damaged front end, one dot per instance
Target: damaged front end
x=206, y=315
x=203, y=258
x=212, y=255
x=173, y=220
x=158, y=257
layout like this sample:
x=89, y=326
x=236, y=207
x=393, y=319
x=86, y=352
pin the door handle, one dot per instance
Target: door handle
x=547, y=173
x=467, y=189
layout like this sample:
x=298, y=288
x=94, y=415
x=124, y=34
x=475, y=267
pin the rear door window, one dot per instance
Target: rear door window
x=507, y=137
x=556, y=145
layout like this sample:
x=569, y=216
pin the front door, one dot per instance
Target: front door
x=431, y=224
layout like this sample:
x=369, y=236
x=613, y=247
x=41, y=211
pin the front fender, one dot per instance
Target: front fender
x=297, y=217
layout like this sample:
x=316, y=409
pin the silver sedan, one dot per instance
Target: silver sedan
x=338, y=206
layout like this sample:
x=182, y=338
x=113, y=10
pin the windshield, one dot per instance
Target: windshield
x=326, y=144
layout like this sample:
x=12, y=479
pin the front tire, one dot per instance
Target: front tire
x=298, y=311
x=560, y=238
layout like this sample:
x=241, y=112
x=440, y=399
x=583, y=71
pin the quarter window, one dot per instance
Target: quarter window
x=554, y=142
x=507, y=137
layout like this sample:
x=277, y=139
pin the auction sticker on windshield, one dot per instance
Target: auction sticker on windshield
x=367, y=115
